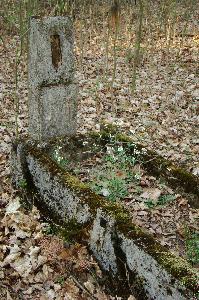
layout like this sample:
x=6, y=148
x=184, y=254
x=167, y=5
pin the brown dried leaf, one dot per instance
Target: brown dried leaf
x=151, y=193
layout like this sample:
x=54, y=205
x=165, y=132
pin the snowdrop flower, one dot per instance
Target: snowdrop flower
x=105, y=192
x=109, y=150
x=136, y=151
x=120, y=148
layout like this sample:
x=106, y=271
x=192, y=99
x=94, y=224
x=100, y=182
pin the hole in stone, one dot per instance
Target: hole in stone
x=56, y=51
x=103, y=222
x=169, y=291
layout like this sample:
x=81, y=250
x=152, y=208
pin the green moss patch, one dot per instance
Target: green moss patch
x=175, y=266
x=156, y=165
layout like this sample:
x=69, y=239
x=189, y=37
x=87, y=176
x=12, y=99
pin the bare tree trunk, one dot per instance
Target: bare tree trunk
x=137, y=46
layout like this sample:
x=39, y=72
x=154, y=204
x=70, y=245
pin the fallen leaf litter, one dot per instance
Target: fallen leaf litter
x=163, y=115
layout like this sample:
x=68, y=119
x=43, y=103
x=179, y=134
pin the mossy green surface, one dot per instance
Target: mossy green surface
x=175, y=266
x=175, y=176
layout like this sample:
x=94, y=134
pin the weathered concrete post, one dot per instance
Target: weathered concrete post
x=52, y=91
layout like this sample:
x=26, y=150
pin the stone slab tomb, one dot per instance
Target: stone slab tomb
x=126, y=252
x=52, y=90
x=129, y=255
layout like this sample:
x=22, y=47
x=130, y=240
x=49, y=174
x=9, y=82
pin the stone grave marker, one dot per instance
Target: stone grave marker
x=52, y=90
x=129, y=254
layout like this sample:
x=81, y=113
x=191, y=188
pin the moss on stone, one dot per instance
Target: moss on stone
x=82, y=190
x=155, y=164
x=175, y=176
x=175, y=266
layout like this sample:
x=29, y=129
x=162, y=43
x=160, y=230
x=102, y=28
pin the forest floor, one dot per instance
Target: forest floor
x=163, y=114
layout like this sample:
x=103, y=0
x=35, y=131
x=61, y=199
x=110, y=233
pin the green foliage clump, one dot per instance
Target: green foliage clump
x=23, y=184
x=192, y=246
x=162, y=200
x=56, y=155
x=113, y=176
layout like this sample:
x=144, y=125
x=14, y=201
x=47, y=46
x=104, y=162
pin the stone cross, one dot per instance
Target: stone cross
x=52, y=90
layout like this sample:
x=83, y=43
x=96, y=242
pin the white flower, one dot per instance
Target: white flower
x=105, y=192
x=109, y=150
x=120, y=149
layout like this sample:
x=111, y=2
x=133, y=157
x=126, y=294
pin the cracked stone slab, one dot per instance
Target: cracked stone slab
x=119, y=245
